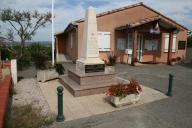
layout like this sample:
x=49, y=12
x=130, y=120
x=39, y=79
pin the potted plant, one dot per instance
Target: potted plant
x=60, y=69
x=123, y=94
x=45, y=70
x=178, y=59
x=136, y=62
x=110, y=63
x=173, y=61
x=47, y=73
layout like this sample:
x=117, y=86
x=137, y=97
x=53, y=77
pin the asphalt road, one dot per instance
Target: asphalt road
x=173, y=112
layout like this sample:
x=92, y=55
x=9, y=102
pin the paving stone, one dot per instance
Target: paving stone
x=85, y=106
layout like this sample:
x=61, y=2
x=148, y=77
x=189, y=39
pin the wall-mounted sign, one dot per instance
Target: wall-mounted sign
x=155, y=30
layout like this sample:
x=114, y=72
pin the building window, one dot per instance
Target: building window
x=72, y=39
x=151, y=45
x=130, y=41
x=181, y=45
x=121, y=43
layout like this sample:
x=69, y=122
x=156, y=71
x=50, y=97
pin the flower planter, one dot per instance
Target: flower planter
x=44, y=75
x=136, y=64
x=129, y=99
x=173, y=63
x=110, y=68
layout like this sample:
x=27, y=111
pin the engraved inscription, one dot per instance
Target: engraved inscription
x=94, y=68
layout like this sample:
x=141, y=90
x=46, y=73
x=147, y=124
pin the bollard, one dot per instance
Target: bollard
x=60, y=116
x=169, y=93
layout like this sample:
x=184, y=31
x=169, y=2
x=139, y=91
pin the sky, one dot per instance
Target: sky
x=70, y=10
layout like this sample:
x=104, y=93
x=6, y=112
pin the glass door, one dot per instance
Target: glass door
x=139, y=47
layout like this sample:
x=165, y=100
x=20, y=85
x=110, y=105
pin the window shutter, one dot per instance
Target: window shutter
x=130, y=41
x=100, y=41
x=166, y=42
x=104, y=41
x=174, y=43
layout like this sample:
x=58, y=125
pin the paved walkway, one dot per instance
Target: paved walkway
x=85, y=106
x=173, y=112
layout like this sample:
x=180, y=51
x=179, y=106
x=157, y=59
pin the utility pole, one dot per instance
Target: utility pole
x=53, y=40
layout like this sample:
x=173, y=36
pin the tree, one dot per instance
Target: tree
x=24, y=23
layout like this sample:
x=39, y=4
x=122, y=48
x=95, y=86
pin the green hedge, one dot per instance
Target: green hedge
x=5, y=54
x=31, y=53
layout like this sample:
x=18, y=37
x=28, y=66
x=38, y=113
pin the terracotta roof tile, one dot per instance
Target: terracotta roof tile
x=128, y=7
x=112, y=11
x=131, y=6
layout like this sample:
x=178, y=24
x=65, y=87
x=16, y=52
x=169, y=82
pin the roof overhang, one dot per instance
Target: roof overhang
x=68, y=28
x=162, y=23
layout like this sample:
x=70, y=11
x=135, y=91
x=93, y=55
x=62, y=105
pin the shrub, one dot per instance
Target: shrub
x=173, y=60
x=40, y=56
x=37, y=48
x=4, y=54
x=38, y=53
x=112, y=59
x=178, y=58
x=60, y=69
x=40, y=60
x=122, y=90
x=23, y=62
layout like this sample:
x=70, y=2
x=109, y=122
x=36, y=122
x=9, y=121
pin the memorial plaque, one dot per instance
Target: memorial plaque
x=94, y=68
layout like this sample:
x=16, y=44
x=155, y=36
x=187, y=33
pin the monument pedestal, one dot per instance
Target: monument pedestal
x=90, y=76
x=82, y=84
x=90, y=65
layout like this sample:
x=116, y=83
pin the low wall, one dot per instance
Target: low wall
x=3, y=67
x=5, y=89
x=6, y=85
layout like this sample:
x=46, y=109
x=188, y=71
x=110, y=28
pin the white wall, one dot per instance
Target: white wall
x=14, y=70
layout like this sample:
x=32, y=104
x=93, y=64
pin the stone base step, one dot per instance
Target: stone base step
x=78, y=90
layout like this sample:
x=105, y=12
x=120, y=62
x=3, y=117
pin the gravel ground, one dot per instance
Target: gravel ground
x=28, y=92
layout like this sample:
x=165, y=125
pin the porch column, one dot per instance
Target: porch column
x=169, y=56
x=134, y=48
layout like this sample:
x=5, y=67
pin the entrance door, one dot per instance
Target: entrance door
x=139, y=47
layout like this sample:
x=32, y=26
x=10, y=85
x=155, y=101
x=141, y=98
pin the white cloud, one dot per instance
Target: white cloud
x=65, y=15
x=177, y=10
x=70, y=10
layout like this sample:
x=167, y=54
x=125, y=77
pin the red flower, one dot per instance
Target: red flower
x=122, y=90
x=139, y=88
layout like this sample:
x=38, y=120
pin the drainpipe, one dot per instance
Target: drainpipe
x=76, y=41
x=76, y=30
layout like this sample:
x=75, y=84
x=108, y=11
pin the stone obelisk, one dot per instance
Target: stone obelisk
x=90, y=76
x=89, y=60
